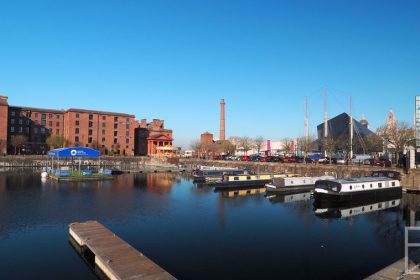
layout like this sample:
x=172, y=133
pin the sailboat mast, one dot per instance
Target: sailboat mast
x=351, y=130
x=306, y=121
x=325, y=118
x=325, y=114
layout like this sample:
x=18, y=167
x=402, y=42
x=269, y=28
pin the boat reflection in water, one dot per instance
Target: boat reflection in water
x=242, y=191
x=290, y=197
x=354, y=208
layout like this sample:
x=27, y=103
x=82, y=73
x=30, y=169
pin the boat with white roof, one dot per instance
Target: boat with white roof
x=290, y=184
x=341, y=190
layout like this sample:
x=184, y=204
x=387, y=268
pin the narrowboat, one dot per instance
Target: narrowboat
x=209, y=175
x=342, y=190
x=294, y=183
x=246, y=180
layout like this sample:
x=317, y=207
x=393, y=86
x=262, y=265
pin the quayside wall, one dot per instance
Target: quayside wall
x=410, y=178
x=123, y=163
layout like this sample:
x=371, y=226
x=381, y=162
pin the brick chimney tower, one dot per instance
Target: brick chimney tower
x=222, y=119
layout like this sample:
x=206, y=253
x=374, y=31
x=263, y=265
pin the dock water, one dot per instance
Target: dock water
x=115, y=258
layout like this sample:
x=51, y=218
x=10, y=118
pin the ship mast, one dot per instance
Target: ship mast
x=306, y=121
x=351, y=130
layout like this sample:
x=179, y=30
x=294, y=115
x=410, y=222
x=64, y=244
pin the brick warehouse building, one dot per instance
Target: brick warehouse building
x=105, y=131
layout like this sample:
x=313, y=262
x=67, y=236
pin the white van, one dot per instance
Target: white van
x=360, y=159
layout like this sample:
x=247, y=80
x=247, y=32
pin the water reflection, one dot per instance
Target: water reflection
x=289, y=198
x=189, y=228
x=354, y=208
x=26, y=200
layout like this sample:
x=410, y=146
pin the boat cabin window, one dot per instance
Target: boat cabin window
x=248, y=177
x=248, y=191
x=370, y=185
x=393, y=202
x=363, y=186
x=380, y=205
x=351, y=187
x=380, y=185
x=236, y=193
x=236, y=178
x=393, y=184
x=291, y=182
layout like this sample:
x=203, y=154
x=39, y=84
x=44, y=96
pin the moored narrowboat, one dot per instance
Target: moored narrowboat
x=247, y=180
x=288, y=184
x=342, y=190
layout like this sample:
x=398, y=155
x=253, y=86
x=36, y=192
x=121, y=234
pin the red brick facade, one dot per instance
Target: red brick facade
x=108, y=132
x=152, y=135
x=104, y=131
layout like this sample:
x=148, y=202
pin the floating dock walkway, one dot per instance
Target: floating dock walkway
x=113, y=256
x=396, y=271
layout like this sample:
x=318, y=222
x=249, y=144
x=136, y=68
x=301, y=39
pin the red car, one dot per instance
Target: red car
x=291, y=159
x=245, y=158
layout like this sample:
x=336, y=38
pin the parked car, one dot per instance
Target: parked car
x=324, y=160
x=300, y=160
x=341, y=161
x=245, y=158
x=360, y=159
x=262, y=159
x=383, y=162
x=291, y=159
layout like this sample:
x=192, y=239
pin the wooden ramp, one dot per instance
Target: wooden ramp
x=395, y=271
x=115, y=258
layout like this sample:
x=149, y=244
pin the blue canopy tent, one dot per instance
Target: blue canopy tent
x=72, y=152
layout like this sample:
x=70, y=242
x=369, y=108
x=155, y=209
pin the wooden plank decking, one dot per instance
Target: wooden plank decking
x=395, y=271
x=116, y=258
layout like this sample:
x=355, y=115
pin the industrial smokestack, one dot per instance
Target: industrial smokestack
x=222, y=119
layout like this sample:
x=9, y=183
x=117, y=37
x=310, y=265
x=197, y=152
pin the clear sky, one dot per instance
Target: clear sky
x=175, y=60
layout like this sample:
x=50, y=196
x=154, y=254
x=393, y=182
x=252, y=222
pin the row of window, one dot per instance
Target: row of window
x=379, y=185
x=43, y=122
x=103, y=118
x=90, y=132
x=77, y=123
x=29, y=114
x=90, y=140
x=35, y=130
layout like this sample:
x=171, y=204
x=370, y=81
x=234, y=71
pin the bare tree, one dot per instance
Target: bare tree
x=246, y=144
x=229, y=148
x=18, y=141
x=3, y=146
x=259, y=141
x=329, y=145
x=305, y=144
x=374, y=143
x=196, y=146
x=397, y=136
x=56, y=141
x=287, y=145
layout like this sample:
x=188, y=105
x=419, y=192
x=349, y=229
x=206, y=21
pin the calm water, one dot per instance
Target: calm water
x=193, y=232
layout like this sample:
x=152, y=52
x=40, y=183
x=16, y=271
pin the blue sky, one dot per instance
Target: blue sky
x=175, y=60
